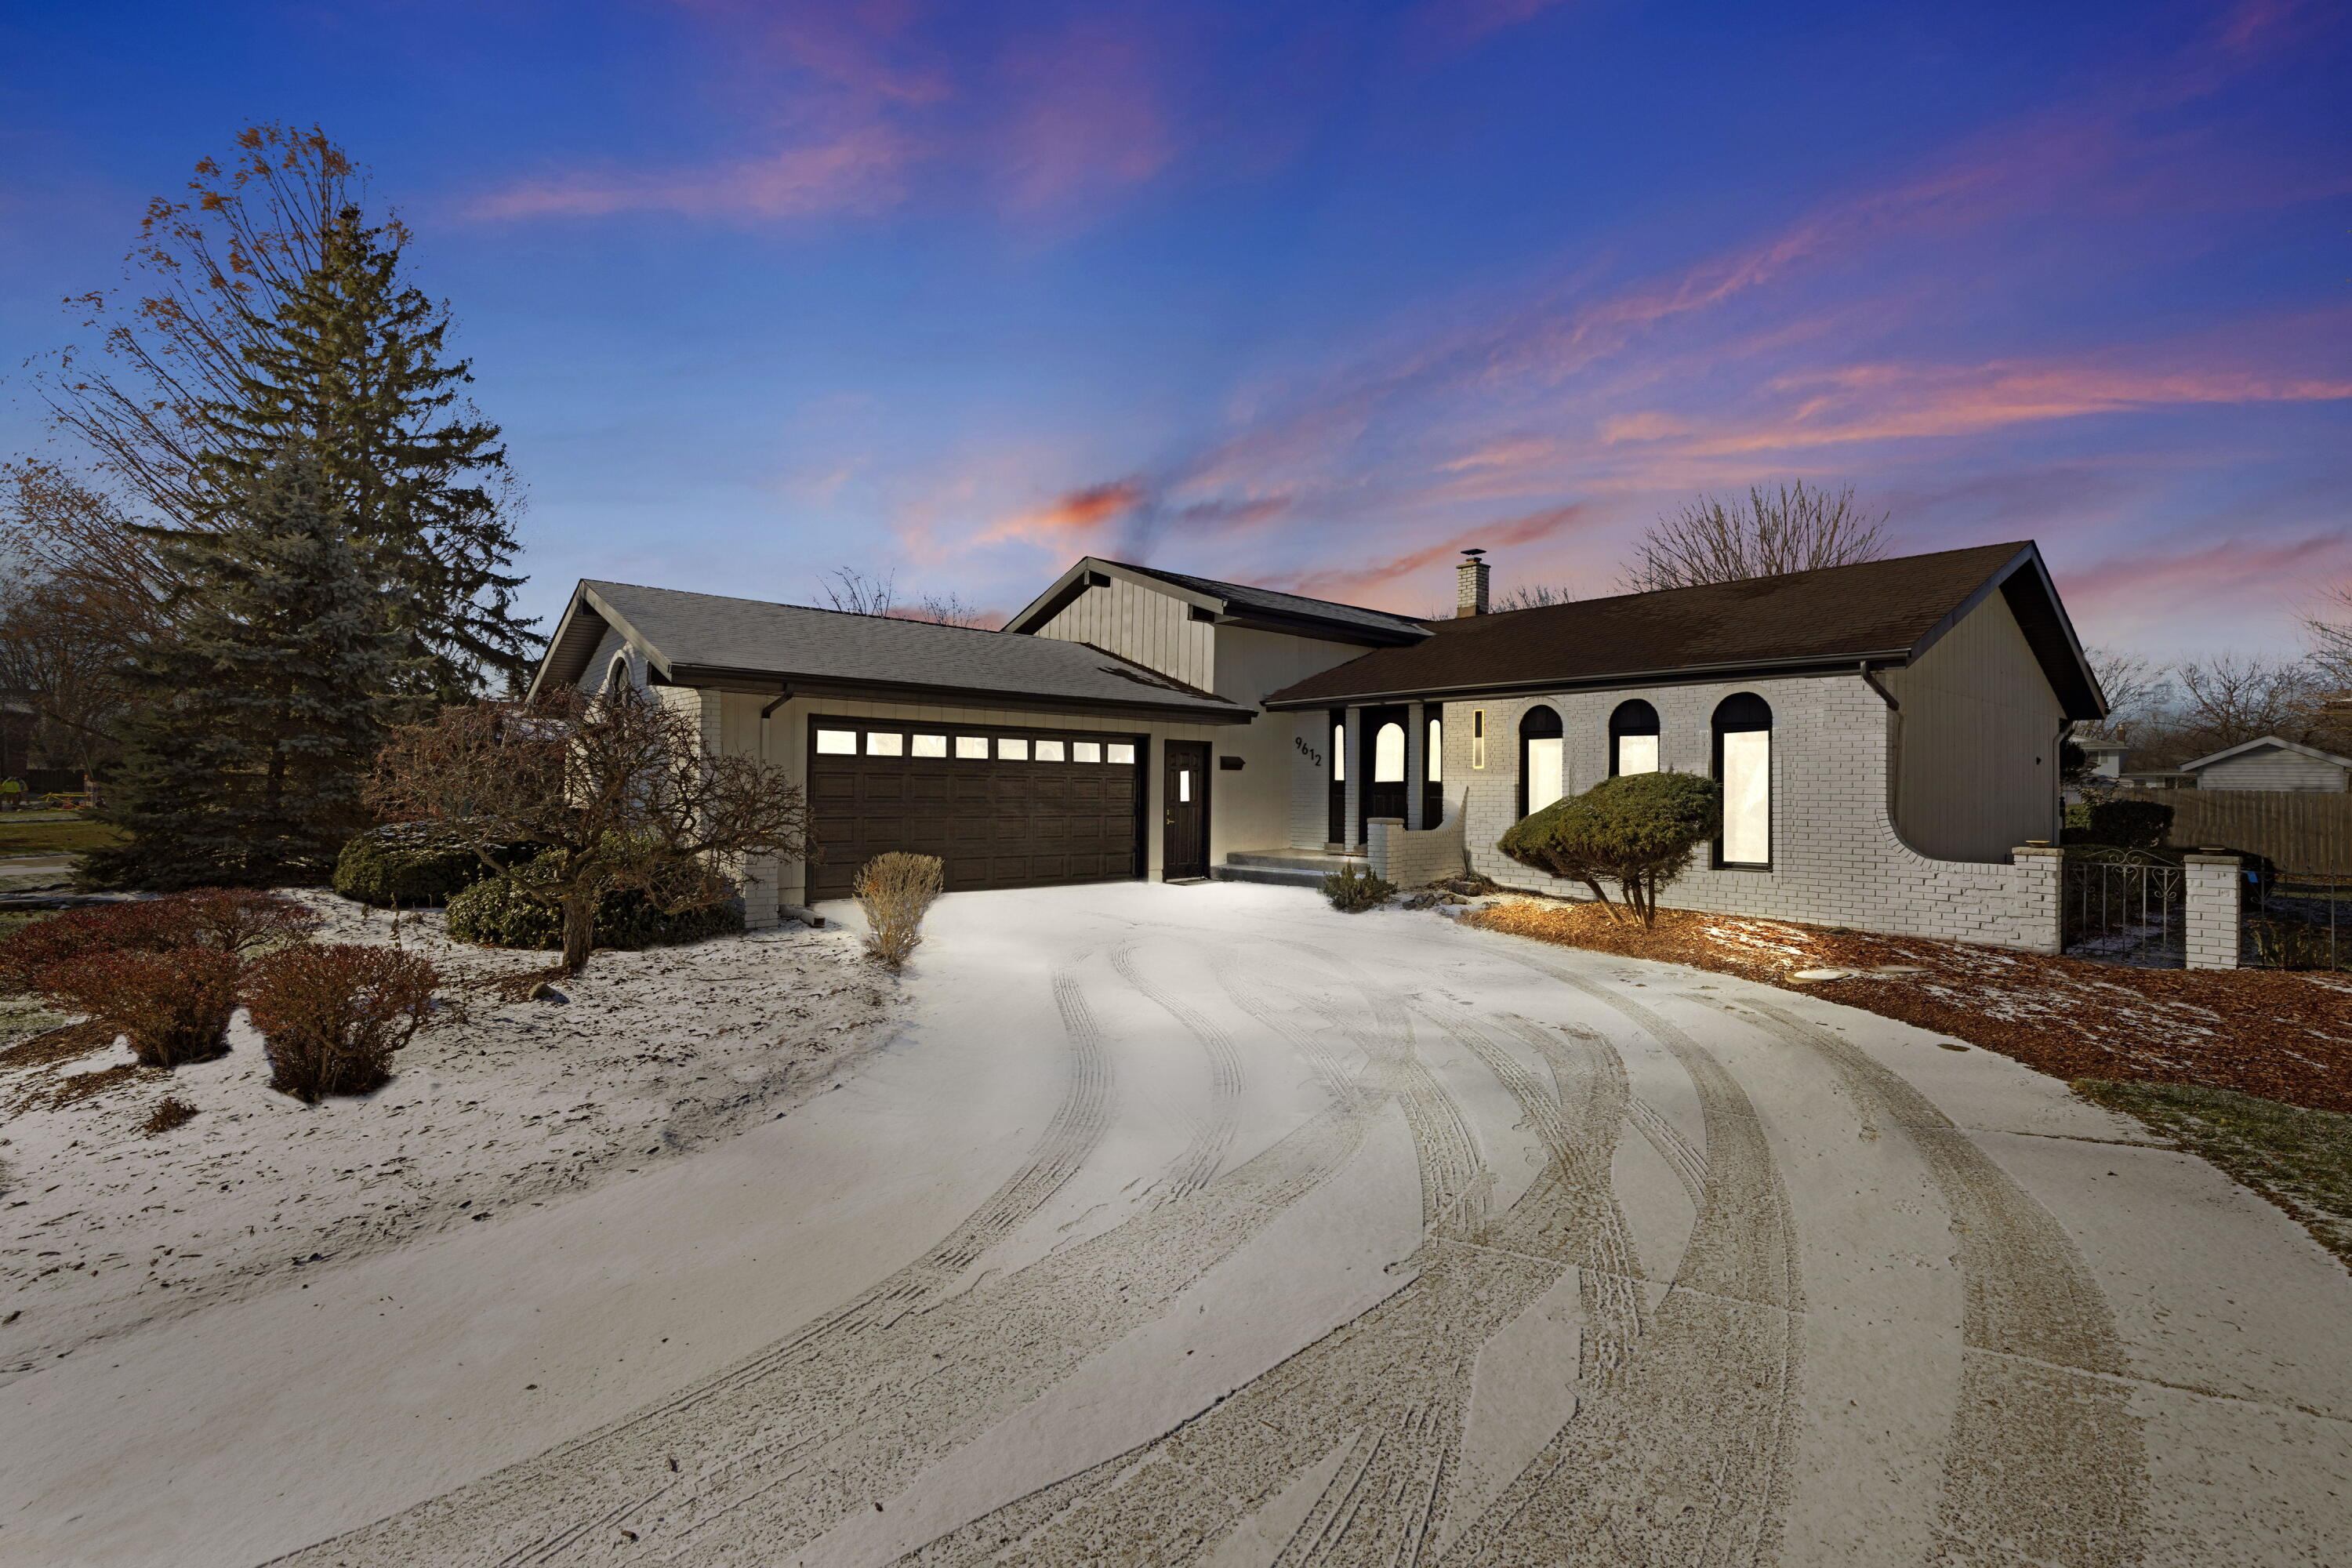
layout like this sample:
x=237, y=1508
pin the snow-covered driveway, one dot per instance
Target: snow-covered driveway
x=1202, y=1224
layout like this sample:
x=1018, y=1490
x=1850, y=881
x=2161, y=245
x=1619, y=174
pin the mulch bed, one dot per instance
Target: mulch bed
x=2280, y=1035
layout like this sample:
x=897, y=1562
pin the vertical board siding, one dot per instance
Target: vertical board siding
x=1978, y=712
x=1144, y=624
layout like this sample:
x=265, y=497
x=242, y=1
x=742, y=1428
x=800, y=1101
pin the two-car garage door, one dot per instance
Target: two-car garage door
x=1005, y=807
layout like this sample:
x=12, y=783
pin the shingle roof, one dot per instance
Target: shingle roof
x=1294, y=606
x=706, y=637
x=1880, y=609
x=2273, y=742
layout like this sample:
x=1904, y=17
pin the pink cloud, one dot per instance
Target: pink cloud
x=857, y=171
x=1084, y=117
x=1350, y=582
x=1070, y=516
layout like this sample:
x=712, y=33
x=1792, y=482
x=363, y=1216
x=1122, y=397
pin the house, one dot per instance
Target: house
x=1888, y=732
x=2270, y=763
x=2103, y=760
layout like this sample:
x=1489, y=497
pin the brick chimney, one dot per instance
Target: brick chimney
x=1470, y=586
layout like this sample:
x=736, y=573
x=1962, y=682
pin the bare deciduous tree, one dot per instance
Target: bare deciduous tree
x=2332, y=639
x=2229, y=698
x=1535, y=596
x=853, y=593
x=615, y=792
x=1795, y=528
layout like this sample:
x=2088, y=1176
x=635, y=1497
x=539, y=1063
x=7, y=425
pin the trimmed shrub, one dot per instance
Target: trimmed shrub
x=1353, y=890
x=492, y=913
x=896, y=890
x=409, y=864
x=1638, y=830
x=235, y=920
x=175, y=1005
x=333, y=1014
x=2125, y=824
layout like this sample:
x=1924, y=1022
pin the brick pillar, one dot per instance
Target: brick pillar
x=1353, y=829
x=1416, y=764
x=2210, y=920
x=2039, y=887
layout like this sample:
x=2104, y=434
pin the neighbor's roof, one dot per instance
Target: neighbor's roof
x=2263, y=743
x=1886, y=612
x=1232, y=603
x=704, y=640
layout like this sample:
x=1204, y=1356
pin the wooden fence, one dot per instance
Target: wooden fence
x=2306, y=832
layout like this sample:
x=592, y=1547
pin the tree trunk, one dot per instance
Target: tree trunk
x=579, y=932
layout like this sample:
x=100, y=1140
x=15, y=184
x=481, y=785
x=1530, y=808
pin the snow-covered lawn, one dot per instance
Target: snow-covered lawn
x=497, y=1104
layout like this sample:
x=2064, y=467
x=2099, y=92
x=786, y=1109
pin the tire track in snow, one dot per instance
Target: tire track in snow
x=2045, y=1462
x=1212, y=1136
x=1680, y=1453
x=1388, y=1389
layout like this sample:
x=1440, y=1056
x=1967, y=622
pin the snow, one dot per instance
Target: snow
x=495, y=1105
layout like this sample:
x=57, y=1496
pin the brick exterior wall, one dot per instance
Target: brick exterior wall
x=2210, y=922
x=1414, y=858
x=1837, y=858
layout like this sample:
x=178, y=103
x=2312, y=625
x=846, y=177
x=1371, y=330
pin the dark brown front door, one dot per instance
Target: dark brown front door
x=1184, y=801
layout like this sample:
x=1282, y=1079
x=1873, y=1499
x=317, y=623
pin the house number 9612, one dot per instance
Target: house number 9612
x=1309, y=753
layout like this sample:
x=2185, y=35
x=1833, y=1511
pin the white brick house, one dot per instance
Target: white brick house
x=1888, y=732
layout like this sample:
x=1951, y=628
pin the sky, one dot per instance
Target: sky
x=1306, y=295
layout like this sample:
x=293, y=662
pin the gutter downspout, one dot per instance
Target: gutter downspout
x=1894, y=750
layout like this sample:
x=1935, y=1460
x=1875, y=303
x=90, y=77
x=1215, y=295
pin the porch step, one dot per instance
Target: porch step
x=1284, y=868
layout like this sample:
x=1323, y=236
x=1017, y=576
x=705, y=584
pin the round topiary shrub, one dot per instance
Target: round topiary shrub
x=1639, y=830
x=409, y=864
x=492, y=913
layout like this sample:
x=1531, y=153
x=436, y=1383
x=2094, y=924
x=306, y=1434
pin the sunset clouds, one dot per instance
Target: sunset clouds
x=1317, y=294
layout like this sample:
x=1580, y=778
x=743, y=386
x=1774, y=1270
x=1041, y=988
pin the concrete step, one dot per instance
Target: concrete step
x=1320, y=862
x=1275, y=876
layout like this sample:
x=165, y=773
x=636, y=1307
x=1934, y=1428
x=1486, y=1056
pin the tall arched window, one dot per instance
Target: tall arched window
x=1632, y=739
x=1743, y=765
x=1388, y=754
x=617, y=674
x=1436, y=754
x=1543, y=777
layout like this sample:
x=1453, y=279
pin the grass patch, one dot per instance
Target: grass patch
x=2300, y=1160
x=56, y=837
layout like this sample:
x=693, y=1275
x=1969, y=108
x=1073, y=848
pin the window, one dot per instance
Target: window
x=1085, y=750
x=1183, y=787
x=1012, y=749
x=881, y=744
x=1543, y=774
x=1632, y=739
x=1477, y=737
x=974, y=747
x=1388, y=754
x=1436, y=756
x=617, y=676
x=1121, y=752
x=1338, y=753
x=931, y=746
x=838, y=742
x=1743, y=765
x=1049, y=750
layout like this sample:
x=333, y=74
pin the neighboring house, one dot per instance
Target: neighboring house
x=2273, y=765
x=2103, y=760
x=1887, y=734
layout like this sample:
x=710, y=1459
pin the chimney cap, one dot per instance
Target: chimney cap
x=1474, y=554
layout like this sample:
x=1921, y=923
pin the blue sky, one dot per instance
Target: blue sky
x=1311, y=295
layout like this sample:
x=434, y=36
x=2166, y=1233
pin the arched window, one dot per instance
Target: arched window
x=1388, y=754
x=1436, y=754
x=1543, y=778
x=1632, y=739
x=617, y=675
x=1743, y=765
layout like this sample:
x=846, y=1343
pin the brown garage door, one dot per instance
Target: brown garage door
x=1003, y=807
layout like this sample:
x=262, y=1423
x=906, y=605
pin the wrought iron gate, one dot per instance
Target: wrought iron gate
x=2123, y=906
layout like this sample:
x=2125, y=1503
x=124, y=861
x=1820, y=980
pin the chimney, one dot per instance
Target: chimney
x=1470, y=586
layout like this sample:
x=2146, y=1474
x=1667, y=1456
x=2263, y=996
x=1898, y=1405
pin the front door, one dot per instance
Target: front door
x=1184, y=802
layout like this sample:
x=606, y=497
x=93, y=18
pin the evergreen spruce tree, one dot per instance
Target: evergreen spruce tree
x=249, y=732
x=351, y=370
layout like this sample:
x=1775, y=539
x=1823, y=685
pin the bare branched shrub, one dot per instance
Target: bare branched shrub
x=332, y=1015
x=174, y=1006
x=171, y=1111
x=1795, y=528
x=896, y=890
x=230, y=920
